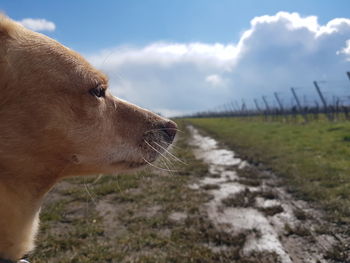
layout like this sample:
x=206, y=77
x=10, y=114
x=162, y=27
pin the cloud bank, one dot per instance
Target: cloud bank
x=275, y=53
x=38, y=24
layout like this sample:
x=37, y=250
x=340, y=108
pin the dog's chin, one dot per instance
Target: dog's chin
x=131, y=166
x=146, y=159
x=136, y=165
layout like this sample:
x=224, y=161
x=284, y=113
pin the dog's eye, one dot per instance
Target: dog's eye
x=97, y=92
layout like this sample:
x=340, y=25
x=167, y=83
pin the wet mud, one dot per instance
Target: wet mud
x=246, y=199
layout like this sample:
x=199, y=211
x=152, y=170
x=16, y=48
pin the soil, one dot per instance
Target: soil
x=219, y=208
x=247, y=198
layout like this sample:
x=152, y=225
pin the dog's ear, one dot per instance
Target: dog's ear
x=3, y=25
x=7, y=26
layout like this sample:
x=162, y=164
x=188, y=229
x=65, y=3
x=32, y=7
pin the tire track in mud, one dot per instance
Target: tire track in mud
x=248, y=200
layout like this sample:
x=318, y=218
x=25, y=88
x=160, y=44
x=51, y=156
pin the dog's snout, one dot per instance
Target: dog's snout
x=170, y=129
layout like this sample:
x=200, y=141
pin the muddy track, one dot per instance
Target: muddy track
x=246, y=199
x=217, y=208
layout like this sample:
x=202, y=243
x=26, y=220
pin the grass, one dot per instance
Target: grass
x=298, y=230
x=242, y=199
x=314, y=158
x=129, y=218
x=211, y=187
x=271, y=210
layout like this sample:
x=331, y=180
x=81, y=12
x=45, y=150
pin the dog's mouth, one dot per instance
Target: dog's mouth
x=148, y=153
x=133, y=165
x=153, y=145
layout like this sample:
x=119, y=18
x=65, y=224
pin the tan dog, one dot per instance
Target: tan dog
x=58, y=119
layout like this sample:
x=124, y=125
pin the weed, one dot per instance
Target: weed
x=312, y=158
x=269, y=194
x=271, y=210
x=127, y=218
x=249, y=182
x=298, y=230
x=338, y=253
x=346, y=138
x=300, y=214
x=244, y=198
x=211, y=186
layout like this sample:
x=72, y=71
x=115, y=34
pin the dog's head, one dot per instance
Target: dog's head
x=55, y=108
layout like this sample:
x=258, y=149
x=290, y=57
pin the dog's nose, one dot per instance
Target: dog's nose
x=170, y=129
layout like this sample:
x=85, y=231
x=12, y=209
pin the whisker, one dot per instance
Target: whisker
x=156, y=150
x=97, y=179
x=162, y=169
x=172, y=155
x=88, y=192
x=171, y=161
x=172, y=145
x=163, y=161
x=164, y=129
x=104, y=61
x=166, y=144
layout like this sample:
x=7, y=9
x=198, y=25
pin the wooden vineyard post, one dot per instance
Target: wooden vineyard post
x=323, y=100
x=298, y=104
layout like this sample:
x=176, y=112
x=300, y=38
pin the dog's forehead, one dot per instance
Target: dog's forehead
x=74, y=62
x=88, y=71
x=80, y=63
x=46, y=52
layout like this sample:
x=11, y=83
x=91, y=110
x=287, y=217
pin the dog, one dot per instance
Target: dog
x=58, y=119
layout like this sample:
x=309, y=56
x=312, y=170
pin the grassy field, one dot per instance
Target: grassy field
x=154, y=216
x=150, y=216
x=314, y=157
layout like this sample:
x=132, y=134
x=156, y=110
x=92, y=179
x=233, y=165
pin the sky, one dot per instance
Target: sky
x=182, y=56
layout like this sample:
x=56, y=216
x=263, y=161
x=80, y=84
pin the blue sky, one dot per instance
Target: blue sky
x=87, y=25
x=157, y=52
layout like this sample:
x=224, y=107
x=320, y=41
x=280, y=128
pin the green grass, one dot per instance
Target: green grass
x=139, y=226
x=314, y=158
x=137, y=222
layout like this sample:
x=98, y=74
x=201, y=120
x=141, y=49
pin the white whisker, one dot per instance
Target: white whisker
x=97, y=179
x=164, y=129
x=172, y=155
x=172, y=145
x=163, y=161
x=156, y=150
x=162, y=169
x=88, y=192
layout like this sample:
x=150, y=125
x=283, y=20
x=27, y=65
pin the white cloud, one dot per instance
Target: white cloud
x=38, y=24
x=345, y=50
x=292, y=21
x=163, y=76
x=214, y=80
x=169, y=54
x=275, y=53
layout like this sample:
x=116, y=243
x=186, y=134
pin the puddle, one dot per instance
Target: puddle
x=224, y=170
x=207, y=150
x=177, y=216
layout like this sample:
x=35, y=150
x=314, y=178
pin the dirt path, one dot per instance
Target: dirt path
x=250, y=201
x=217, y=208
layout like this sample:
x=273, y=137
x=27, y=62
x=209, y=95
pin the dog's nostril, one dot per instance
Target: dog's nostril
x=170, y=129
